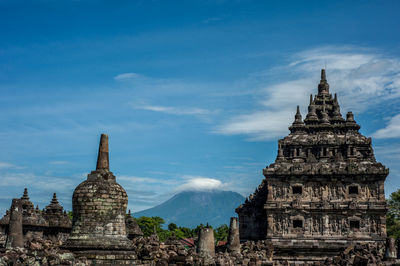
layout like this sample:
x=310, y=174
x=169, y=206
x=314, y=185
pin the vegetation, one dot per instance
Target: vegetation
x=393, y=216
x=149, y=225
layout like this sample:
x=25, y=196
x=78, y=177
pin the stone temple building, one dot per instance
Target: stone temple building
x=325, y=190
x=99, y=226
x=52, y=222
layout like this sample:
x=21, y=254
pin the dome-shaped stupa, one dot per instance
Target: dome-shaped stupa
x=99, y=207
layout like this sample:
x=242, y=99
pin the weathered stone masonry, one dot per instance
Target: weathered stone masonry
x=325, y=190
x=99, y=208
x=52, y=222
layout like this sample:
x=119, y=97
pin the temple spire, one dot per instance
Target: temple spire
x=54, y=200
x=25, y=196
x=102, y=158
x=323, y=75
x=297, y=117
x=323, y=86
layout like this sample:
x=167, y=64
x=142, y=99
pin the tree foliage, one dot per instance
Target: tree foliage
x=393, y=216
x=221, y=233
x=149, y=224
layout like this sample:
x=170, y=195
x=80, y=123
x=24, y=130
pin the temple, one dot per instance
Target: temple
x=51, y=223
x=99, y=207
x=325, y=190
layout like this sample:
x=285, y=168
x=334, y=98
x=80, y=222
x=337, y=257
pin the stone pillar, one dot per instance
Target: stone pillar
x=15, y=235
x=390, y=253
x=205, y=245
x=233, y=238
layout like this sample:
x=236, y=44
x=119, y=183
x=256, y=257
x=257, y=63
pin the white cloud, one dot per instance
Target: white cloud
x=392, y=130
x=32, y=180
x=16, y=179
x=360, y=77
x=5, y=165
x=175, y=110
x=390, y=152
x=58, y=162
x=138, y=179
x=201, y=183
x=126, y=76
x=258, y=125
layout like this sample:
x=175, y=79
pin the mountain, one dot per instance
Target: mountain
x=191, y=208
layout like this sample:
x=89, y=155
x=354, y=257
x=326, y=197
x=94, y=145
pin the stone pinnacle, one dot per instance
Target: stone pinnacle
x=54, y=199
x=102, y=159
x=25, y=196
x=323, y=75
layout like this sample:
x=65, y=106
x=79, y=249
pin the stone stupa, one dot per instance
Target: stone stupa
x=99, y=207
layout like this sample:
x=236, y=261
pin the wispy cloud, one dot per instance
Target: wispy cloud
x=58, y=162
x=392, y=130
x=175, y=110
x=390, y=152
x=126, y=76
x=6, y=165
x=139, y=179
x=360, y=77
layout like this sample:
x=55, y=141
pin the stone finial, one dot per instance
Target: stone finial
x=323, y=75
x=205, y=244
x=323, y=86
x=54, y=200
x=297, y=117
x=336, y=115
x=298, y=124
x=350, y=117
x=15, y=234
x=129, y=213
x=311, y=100
x=391, y=252
x=233, y=238
x=25, y=196
x=312, y=114
x=102, y=158
x=325, y=117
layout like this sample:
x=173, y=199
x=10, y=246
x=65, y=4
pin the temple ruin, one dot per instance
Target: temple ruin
x=99, y=213
x=322, y=202
x=52, y=222
x=325, y=190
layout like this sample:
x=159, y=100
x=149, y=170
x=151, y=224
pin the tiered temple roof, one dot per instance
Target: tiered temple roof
x=325, y=184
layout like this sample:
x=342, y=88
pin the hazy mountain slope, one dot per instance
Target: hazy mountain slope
x=190, y=208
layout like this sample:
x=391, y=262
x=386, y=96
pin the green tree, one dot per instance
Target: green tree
x=187, y=232
x=149, y=224
x=70, y=215
x=172, y=227
x=393, y=216
x=221, y=233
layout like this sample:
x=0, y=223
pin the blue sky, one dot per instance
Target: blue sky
x=193, y=94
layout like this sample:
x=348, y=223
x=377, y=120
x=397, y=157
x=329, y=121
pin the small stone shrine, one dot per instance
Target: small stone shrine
x=325, y=190
x=99, y=207
x=51, y=223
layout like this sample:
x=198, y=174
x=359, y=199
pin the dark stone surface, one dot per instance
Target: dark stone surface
x=15, y=237
x=53, y=222
x=325, y=189
x=99, y=208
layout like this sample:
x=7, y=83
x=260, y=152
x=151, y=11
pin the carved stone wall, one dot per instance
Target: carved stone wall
x=325, y=189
